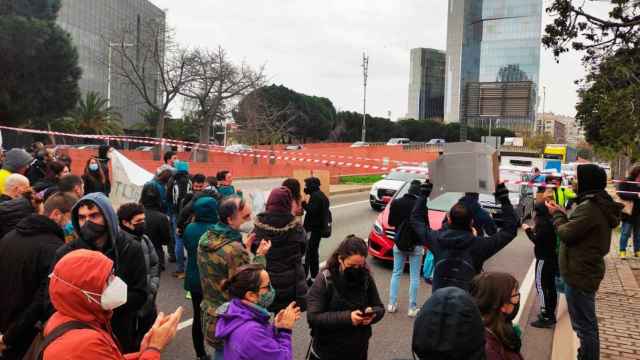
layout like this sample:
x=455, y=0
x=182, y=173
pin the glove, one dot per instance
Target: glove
x=502, y=193
x=425, y=188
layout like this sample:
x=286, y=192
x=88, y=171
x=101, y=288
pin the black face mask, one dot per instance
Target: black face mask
x=354, y=275
x=512, y=315
x=90, y=232
x=307, y=191
x=138, y=229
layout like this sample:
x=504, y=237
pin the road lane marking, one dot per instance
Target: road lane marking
x=185, y=324
x=525, y=289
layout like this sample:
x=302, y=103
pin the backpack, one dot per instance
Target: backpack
x=326, y=223
x=406, y=238
x=455, y=269
x=179, y=186
x=40, y=342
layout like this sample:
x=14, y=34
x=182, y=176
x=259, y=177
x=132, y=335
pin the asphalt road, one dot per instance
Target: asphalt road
x=392, y=336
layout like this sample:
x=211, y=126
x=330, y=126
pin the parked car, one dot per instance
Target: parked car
x=382, y=234
x=293, y=147
x=398, y=141
x=392, y=182
x=237, y=148
x=436, y=141
x=359, y=144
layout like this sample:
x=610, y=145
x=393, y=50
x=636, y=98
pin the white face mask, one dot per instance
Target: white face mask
x=113, y=296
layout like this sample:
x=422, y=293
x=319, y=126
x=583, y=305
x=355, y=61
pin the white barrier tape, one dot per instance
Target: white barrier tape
x=625, y=182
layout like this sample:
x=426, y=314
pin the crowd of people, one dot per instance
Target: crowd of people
x=81, y=278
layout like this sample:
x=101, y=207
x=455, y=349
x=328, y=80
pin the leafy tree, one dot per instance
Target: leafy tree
x=39, y=9
x=93, y=116
x=538, y=142
x=39, y=71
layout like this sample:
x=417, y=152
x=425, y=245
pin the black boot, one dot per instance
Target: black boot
x=544, y=322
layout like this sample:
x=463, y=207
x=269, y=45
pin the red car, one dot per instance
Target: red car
x=382, y=234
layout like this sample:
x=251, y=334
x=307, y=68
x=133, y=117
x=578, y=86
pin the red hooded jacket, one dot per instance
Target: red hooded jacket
x=89, y=271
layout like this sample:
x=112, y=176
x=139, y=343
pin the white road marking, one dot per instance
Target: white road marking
x=185, y=324
x=525, y=289
x=348, y=204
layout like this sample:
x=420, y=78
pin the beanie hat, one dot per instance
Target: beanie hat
x=279, y=201
x=591, y=179
x=181, y=166
x=449, y=326
x=15, y=159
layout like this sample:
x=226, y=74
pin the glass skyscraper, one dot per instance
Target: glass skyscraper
x=491, y=41
x=426, y=84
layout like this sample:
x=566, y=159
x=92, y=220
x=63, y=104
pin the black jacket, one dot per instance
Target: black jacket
x=329, y=305
x=5, y=197
x=543, y=234
x=26, y=254
x=12, y=212
x=93, y=185
x=284, y=259
x=157, y=225
x=400, y=209
x=186, y=214
x=315, y=210
x=480, y=248
x=624, y=186
x=482, y=220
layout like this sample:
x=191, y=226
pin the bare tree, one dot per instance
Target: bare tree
x=217, y=85
x=263, y=123
x=147, y=57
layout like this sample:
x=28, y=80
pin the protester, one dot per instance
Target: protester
x=294, y=186
x=199, y=190
x=585, y=239
x=562, y=195
x=65, y=159
x=482, y=220
x=630, y=192
x=132, y=221
x=458, y=253
x=157, y=225
x=543, y=236
x=177, y=189
x=71, y=184
x=288, y=244
x=95, y=178
x=159, y=182
x=206, y=216
x=498, y=299
x=198, y=184
x=212, y=181
x=96, y=224
x=449, y=326
x=26, y=256
x=243, y=323
x=225, y=184
x=55, y=170
x=14, y=186
x=399, y=214
x=86, y=294
x=103, y=162
x=343, y=303
x=220, y=253
x=16, y=161
x=38, y=167
x=170, y=157
x=13, y=211
x=316, y=209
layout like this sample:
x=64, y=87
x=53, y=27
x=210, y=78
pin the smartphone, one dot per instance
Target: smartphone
x=366, y=314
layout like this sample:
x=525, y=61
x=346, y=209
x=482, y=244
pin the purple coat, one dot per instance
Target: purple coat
x=248, y=334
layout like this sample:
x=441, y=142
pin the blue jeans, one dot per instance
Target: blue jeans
x=179, y=246
x=625, y=233
x=582, y=311
x=399, y=258
x=218, y=354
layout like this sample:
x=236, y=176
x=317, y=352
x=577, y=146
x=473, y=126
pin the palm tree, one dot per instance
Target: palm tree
x=93, y=116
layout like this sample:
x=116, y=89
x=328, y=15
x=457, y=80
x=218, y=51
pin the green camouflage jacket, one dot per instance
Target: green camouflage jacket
x=220, y=253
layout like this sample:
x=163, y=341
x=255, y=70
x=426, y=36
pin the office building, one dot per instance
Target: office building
x=492, y=41
x=93, y=24
x=426, y=84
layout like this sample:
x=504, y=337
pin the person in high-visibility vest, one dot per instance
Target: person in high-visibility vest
x=561, y=194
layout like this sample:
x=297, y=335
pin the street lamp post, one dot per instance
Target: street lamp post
x=109, y=69
x=365, y=72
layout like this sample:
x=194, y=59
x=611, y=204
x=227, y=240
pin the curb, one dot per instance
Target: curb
x=350, y=191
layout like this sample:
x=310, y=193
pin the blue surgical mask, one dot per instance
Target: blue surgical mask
x=93, y=167
x=267, y=298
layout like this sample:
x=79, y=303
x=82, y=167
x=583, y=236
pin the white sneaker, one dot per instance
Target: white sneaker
x=392, y=308
x=413, y=312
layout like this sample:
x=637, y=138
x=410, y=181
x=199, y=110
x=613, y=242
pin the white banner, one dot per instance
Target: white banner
x=127, y=179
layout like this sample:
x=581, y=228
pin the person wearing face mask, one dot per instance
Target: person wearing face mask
x=103, y=161
x=157, y=225
x=15, y=186
x=343, y=303
x=316, y=208
x=85, y=294
x=95, y=178
x=96, y=224
x=243, y=322
x=26, y=255
x=132, y=221
x=221, y=252
x=498, y=299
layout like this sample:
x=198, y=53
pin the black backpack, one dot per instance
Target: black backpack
x=178, y=188
x=454, y=269
x=406, y=238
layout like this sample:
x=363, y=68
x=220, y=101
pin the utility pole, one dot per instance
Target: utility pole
x=365, y=72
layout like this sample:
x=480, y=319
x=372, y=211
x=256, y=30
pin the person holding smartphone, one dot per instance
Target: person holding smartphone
x=343, y=303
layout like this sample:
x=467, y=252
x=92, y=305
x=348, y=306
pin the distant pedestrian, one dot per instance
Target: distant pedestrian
x=95, y=178
x=343, y=303
x=14, y=186
x=498, y=298
x=449, y=326
x=315, y=220
x=459, y=255
x=399, y=217
x=157, y=224
x=104, y=159
x=585, y=239
x=243, y=323
x=159, y=183
x=630, y=192
x=288, y=244
x=178, y=187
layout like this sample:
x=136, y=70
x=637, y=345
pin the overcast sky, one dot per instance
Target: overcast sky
x=315, y=47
